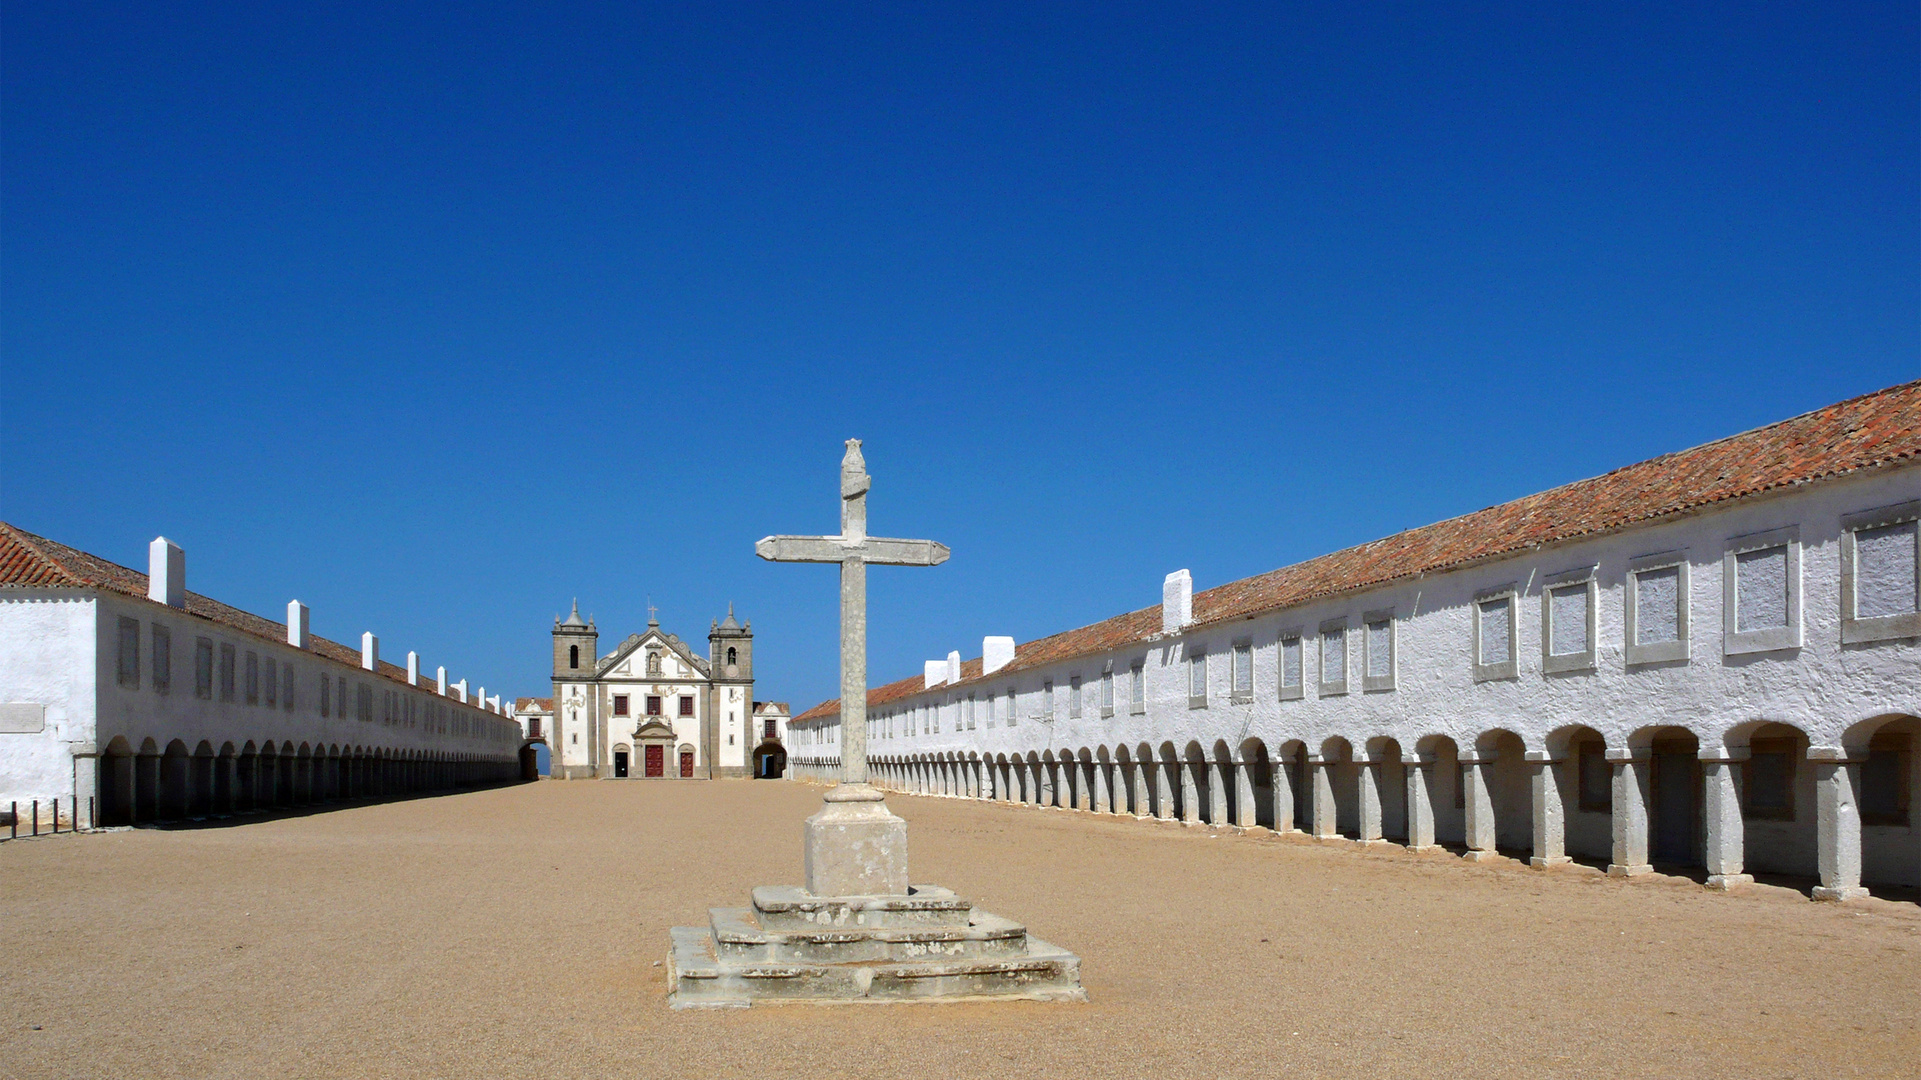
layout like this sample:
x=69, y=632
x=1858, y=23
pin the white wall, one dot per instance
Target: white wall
x=46, y=659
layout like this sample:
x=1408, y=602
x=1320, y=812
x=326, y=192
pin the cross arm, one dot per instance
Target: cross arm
x=874, y=550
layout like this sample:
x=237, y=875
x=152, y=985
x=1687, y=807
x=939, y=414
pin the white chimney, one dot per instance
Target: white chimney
x=443, y=680
x=1177, y=601
x=494, y=703
x=296, y=624
x=933, y=673
x=953, y=667
x=369, y=651
x=480, y=696
x=166, y=572
x=413, y=668
x=996, y=653
x=460, y=690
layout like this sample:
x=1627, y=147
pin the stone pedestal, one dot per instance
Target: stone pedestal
x=855, y=846
x=925, y=945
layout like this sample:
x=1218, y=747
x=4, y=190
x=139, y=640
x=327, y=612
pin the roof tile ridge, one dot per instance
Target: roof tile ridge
x=38, y=546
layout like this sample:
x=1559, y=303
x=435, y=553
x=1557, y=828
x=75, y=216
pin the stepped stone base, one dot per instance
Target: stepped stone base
x=927, y=945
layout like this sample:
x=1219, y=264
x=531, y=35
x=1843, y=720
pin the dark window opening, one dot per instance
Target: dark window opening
x=733, y=656
x=573, y=656
x=620, y=704
x=653, y=705
x=1885, y=781
x=686, y=705
x=1597, y=779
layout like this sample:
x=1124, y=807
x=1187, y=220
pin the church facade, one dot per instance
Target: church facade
x=651, y=709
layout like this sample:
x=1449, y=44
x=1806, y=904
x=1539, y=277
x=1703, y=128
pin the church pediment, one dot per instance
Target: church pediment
x=653, y=655
x=654, y=728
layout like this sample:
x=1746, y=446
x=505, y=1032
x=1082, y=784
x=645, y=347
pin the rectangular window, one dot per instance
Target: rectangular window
x=1333, y=657
x=253, y=678
x=1242, y=691
x=364, y=701
x=686, y=705
x=130, y=653
x=162, y=659
x=620, y=704
x=1494, y=616
x=1885, y=780
x=326, y=703
x=1047, y=702
x=1137, y=688
x=203, y=668
x=1881, y=574
x=1107, y=691
x=1074, y=697
x=936, y=710
x=1768, y=794
x=1761, y=592
x=1377, y=647
x=970, y=712
x=286, y=687
x=341, y=689
x=1013, y=706
x=227, y=663
x=1655, y=608
x=1567, y=621
x=1597, y=778
x=653, y=705
x=270, y=683
x=1196, y=677
x=1292, y=687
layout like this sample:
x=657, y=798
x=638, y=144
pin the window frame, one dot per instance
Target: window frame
x=1371, y=683
x=1553, y=662
x=1736, y=642
x=1047, y=701
x=160, y=638
x=1511, y=667
x=1298, y=691
x=686, y=707
x=1240, y=658
x=1656, y=652
x=1074, y=697
x=127, y=667
x=1324, y=687
x=623, y=704
x=1107, y=690
x=269, y=681
x=1137, y=688
x=229, y=659
x=1196, y=660
x=1856, y=630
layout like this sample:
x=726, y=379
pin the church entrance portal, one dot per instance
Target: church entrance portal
x=656, y=761
x=620, y=764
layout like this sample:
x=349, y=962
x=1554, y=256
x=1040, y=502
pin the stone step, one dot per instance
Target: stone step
x=783, y=908
x=739, y=939
x=696, y=978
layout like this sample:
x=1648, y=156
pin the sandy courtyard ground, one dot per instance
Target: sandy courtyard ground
x=515, y=933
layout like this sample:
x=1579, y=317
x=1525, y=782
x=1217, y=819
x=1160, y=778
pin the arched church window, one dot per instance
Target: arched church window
x=733, y=655
x=573, y=656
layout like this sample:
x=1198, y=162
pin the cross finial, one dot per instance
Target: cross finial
x=651, y=620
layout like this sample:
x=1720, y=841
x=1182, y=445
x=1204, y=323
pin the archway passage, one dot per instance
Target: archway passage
x=1674, y=795
x=533, y=760
x=770, y=761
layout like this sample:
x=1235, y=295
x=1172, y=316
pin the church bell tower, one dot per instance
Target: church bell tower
x=730, y=656
x=576, y=705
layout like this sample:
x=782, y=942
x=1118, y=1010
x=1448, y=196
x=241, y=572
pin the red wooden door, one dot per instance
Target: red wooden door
x=656, y=761
x=687, y=763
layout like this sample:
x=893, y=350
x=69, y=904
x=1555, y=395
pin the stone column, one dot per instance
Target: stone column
x=1163, y=806
x=1282, y=772
x=1326, y=823
x=1630, y=818
x=1368, y=768
x=1420, y=804
x=1550, y=810
x=1190, y=793
x=1244, y=813
x=1475, y=767
x=1837, y=823
x=1721, y=807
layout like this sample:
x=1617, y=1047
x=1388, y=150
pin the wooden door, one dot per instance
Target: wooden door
x=687, y=763
x=656, y=761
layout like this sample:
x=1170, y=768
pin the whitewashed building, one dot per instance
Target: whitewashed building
x=131, y=699
x=651, y=709
x=1709, y=661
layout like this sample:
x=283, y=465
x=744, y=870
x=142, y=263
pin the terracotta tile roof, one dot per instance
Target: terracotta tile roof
x=27, y=560
x=525, y=703
x=1868, y=432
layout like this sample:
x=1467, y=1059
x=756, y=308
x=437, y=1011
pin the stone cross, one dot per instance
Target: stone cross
x=853, y=849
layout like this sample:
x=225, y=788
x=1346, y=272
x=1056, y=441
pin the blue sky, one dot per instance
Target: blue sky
x=436, y=318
